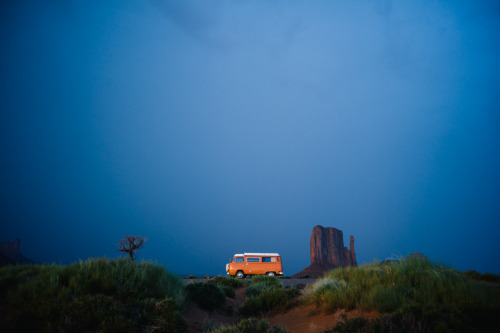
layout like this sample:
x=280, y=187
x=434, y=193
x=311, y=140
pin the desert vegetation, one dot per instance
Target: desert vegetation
x=93, y=295
x=412, y=295
x=131, y=245
x=207, y=295
x=265, y=295
x=250, y=325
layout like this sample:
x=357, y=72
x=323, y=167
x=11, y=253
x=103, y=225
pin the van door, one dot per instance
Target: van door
x=252, y=265
x=270, y=264
x=238, y=264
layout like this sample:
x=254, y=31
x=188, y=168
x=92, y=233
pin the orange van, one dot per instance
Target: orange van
x=255, y=263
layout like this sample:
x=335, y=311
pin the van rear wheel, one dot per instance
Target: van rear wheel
x=240, y=274
x=270, y=274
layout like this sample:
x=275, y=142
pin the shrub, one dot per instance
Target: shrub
x=229, y=329
x=266, y=294
x=163, y=316
x=387, y=299
x=229, y=281
x=260, y=283
x=227, y=285
x=251, y=325
x=256, y=289
x=228, y=291
x=207, y=295
x=270, y=281
x=412, y=318
x=486, y=277
x=270, y=300
x=98, y=294
x=390, y=287
x=96, y=313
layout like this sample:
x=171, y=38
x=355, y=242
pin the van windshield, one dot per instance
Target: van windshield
x=238, y=259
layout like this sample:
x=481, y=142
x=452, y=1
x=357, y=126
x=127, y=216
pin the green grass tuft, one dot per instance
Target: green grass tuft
x=486, y=277
x=270, y=300
x=412, y=289
x=227, y=281
x=251, y=325
x=93, y=295
x=207, y=295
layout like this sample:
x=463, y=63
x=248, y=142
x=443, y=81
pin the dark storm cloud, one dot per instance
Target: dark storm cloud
x=190, y=16
x=214, y=128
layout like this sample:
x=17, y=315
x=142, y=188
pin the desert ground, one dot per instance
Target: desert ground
x=303, y=318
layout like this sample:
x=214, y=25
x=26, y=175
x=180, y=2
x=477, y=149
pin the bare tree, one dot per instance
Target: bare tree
x=131, y=244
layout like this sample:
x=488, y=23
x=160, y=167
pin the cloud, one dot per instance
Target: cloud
x=195, y=18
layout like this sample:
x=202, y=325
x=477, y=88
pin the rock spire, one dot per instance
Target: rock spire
x=328, y=252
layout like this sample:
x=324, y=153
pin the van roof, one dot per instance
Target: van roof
x=256, y=254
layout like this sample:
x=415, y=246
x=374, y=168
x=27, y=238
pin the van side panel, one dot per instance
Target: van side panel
x=236, y=266
x=252, y=267
x=263, y=267
x=259, y=264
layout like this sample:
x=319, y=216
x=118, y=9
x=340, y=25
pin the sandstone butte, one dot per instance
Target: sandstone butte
x=328, y=252
x=10, y=254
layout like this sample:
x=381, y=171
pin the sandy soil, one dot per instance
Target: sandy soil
x=199, y=319
x=301, y=319
x=307, y=319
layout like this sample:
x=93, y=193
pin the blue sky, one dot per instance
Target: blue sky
x=218, y=127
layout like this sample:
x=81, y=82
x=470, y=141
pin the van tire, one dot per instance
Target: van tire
x=240, y=274
x=270, y=274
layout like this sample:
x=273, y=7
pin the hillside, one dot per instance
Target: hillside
x=412, y=295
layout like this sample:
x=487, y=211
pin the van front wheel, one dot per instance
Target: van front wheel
x=240, y=274
x=270, y=274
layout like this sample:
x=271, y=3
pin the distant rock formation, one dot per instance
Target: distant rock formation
x=417, y=255
x=328, y=252
x=11, y=255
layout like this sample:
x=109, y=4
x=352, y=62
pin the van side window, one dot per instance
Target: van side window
x=268, y=259
x=239, y=259
x=253, y=259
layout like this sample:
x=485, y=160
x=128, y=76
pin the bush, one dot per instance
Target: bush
x=164, y=316
x=412, y=318
x=229, y=281
x=96, y=313
x=260, y=283
x=266, y=294
x=269, y=281
x=227, y=285
x=270, y=300
x=228, y=291
x=207, y=295
x=98, y=294
x=251, y=325
x=387, y=299
x=256, y=289
x=390, y=287
x=486, y=277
